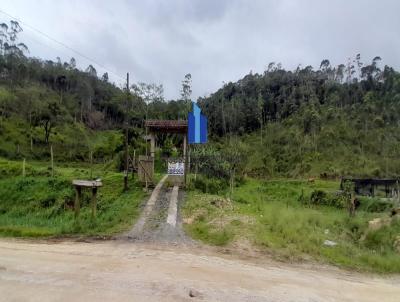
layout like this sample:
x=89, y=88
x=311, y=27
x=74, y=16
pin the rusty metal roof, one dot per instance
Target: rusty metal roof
x=172, y=126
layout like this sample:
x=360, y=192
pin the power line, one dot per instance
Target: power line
x=62, y=44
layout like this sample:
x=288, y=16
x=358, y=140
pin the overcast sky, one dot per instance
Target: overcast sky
x=215, y=40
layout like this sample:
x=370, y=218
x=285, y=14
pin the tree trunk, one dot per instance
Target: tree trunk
x=30, y=130
x=47, y=129
x=231, y=181
x=52, y=161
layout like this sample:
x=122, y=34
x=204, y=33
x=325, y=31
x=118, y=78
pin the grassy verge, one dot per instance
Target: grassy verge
x=40, y=205
x=270, y=215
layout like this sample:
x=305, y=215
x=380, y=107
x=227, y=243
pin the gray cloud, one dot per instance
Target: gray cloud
x=216, y=41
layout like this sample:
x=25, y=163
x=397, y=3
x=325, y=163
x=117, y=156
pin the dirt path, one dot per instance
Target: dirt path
x=123, y=271
x=160, y=221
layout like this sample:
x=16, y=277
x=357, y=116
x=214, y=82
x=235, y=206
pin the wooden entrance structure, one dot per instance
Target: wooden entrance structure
x=145, y=169
x=154, y=127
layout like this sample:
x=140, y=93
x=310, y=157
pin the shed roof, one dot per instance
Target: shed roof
x=171, y=126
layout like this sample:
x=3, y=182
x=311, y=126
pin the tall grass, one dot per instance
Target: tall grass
x=271, y=216
x=40, y=205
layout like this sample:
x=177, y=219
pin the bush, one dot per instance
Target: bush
x=319, y=197
x=383, y=239
x=371, y=204
x=209, y=185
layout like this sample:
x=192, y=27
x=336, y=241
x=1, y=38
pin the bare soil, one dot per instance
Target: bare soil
x=124, y=271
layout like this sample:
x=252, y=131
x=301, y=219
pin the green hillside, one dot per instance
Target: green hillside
x=268, y=133
x=332, y=122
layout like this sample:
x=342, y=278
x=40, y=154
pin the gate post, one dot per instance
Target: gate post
x=185, y=155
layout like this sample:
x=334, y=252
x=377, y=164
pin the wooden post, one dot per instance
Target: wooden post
x=185, y=156
x=52, y=160
x=91, y=164
x=23, y=168
x=152, y=150
x=94, y=204
x=126, y=180
x=188, y=167
x=133, y=164
x=77, y=200
x=126, y=137
x=152, y=145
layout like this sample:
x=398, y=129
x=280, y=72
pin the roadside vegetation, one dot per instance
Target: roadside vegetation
x=287, y=219
x=39, y=205
x=267, y=132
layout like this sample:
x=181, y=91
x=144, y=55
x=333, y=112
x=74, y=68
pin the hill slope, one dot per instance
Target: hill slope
x=307, y=122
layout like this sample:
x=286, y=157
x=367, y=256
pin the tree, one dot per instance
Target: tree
x=325, y=64
x=12, y=47
x=61, y=84
x=260, y=107
x=358, y=63
x=149, y=93
x=349, y=71
x=72, y=64
x=104, y=78
x=234, y=160
x=47, y=118
x=3, y=37
x=186, y=91
x=340, y=73
x=91, y=71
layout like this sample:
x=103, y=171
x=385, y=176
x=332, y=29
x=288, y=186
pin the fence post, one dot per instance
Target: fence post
x=23, y=168
x=52, y=160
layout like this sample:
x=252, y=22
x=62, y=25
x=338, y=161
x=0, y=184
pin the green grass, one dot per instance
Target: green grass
x=270, y=215
x=39, y=205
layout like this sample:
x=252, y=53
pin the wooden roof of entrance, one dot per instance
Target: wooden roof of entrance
x=168, y=126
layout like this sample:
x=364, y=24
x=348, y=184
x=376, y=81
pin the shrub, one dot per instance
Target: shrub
x=383, y=239
x=209, y=185
x=319, y=197
x=371, y=204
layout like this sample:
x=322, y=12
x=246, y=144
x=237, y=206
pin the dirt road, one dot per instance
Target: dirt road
x=125, y=271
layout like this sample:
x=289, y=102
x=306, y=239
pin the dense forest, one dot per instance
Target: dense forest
x=329, y=122
x=333, y=121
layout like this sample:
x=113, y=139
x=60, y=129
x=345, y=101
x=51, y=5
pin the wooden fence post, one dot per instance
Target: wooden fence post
x=77, y=200
x=94, y=202
x=23, y=168
x=52, y=160
x=91, y=164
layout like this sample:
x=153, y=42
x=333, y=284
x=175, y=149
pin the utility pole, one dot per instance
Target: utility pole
x=126, y=135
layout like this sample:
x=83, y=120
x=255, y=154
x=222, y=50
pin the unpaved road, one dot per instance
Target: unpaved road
x=126, y=271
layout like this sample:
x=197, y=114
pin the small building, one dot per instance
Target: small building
x=388, y=188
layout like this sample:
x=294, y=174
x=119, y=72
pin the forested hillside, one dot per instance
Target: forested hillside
x=333, y=121
x=45, y=102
